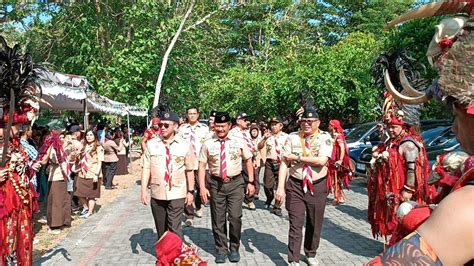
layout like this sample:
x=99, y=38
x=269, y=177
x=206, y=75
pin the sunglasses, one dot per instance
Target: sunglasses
x=164, y=125
x=308, y=121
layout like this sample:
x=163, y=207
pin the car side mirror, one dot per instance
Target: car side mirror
x=367, y=141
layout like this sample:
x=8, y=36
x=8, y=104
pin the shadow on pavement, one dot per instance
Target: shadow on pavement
x=359, y=187
x=265, y=243
x=45, y=259
x=349, y=241
x=202, y=238
x=353, y=211
x=145, y=239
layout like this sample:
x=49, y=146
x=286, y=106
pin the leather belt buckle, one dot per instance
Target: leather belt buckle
x=226, y=180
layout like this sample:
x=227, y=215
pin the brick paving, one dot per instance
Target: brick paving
x=123, y=233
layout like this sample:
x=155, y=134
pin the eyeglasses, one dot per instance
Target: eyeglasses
x=164, y=125
x=308, y=121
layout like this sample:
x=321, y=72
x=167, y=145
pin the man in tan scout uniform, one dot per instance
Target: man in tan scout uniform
x=272, y=142
x=195, y=133
x=170, y=160
x=224, y=153
x=305, y=155
x=242, y=132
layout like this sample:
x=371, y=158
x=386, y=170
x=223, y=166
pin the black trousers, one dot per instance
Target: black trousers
x=226, y=203
x=304, y=207
x=108, y=170
x=167, y=215
x=189, y=210
x=270, y=177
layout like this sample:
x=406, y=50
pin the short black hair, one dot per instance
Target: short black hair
x=192, y=107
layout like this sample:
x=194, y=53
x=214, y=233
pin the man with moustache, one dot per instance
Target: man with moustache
x=170, y=161
x=272, y=142
x=195, y=133
x=241, y=131
x=225, y=154
x=305, y=155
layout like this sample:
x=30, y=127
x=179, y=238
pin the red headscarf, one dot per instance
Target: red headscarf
x=337, y=125
x=155, y=120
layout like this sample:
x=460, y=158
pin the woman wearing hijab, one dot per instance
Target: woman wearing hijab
x=340, y=172
x=58, y=210
x=122, y=164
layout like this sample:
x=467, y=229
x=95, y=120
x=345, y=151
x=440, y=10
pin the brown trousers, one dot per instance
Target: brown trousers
x=270, y=177
x=167, y=215
x=304, y=207
x=226, y=202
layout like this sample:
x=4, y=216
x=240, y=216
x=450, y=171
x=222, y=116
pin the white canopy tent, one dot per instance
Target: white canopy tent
x=72, y=93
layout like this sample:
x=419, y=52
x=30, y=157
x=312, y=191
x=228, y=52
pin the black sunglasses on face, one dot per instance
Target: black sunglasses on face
x=164, y=125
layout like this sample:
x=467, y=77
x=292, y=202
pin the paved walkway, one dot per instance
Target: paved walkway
x=123, y=233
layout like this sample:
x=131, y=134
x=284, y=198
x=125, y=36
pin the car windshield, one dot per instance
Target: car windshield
x=358, y=132
x=430, y=134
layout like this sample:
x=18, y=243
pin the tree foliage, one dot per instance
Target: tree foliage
x=252, y=56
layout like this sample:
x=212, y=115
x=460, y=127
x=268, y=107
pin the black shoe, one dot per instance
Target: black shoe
x=234, y=256
x=220, y=258
x=277, y=212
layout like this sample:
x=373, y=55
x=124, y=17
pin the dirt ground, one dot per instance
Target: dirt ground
x=45, y=241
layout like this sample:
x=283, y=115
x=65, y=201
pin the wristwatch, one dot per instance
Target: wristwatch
x=191, y=191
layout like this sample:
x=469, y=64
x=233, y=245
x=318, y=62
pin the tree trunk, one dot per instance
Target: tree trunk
x=164, y=63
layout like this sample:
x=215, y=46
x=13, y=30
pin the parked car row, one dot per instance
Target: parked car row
x=437, y=136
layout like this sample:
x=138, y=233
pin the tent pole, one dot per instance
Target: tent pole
x=86, y=116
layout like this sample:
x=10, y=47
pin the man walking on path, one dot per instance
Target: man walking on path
x=170, y=161
x=225, y=153
x=272, y=142
x=305, y=156
x=195, y=133
x=241, y=131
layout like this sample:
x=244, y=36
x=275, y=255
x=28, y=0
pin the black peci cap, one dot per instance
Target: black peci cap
x=222, y=117
x=310, y=112
x=169, y=116
x=213, y=113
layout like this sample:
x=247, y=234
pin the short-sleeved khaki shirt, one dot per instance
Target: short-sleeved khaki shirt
x=201, y=132
x=321, y=145
x=154, y=162
x=274, y=142
x=236, y=151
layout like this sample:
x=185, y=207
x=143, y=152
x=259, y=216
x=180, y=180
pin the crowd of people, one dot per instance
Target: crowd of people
x=188, y=165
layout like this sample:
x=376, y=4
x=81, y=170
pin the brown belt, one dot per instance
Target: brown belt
x=314, y=182
x=226, y=180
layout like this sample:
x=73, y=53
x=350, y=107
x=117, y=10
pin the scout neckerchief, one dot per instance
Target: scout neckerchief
x=85, y=159
x=247, y=140
x=193, y=139
x=277, y=149
x=168, y=166
x=223, y=164
x=307, y=171
x=66, y=172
